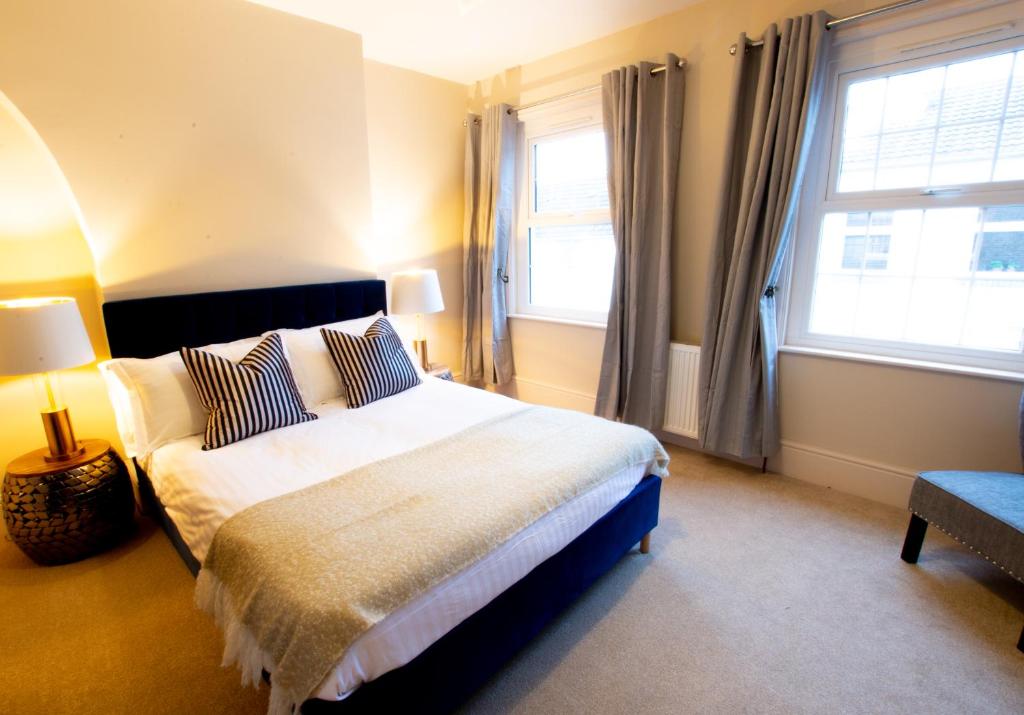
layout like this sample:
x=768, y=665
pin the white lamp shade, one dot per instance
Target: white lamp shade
x=41, y=335
x=416, y=292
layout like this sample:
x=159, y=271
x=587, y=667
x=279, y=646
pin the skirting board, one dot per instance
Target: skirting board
x=872, y=480
x=542, y=393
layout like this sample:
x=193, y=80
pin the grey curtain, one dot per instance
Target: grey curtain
x=776, y=94
x=643, y=118
x=490, y=202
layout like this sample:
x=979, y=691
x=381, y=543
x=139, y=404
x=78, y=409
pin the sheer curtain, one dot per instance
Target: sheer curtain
x=643, y=119
x=490, y=202
x=776, y=93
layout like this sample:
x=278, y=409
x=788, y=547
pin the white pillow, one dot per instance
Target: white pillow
x=311, y=363
x=155, y=401
x=126, y=406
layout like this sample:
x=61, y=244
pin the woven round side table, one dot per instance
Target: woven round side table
x=58, y=512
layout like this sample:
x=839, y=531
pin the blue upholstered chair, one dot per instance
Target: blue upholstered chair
x=982, y=510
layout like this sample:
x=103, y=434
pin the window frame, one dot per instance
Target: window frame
x=886, y=55
x=573, y=115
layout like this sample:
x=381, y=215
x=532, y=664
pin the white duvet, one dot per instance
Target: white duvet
x=200, y=490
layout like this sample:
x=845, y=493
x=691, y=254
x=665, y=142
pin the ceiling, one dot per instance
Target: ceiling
x=469, y=40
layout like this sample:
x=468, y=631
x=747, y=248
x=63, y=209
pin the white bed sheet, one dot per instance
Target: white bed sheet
x=200, y=490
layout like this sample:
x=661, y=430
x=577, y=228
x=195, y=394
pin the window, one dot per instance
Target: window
x=958, y=123
x=911, y=244
x=866, y=244
x=565, y=251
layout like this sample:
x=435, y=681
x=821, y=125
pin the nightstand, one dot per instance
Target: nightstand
x=442, y=371
x=58, y=512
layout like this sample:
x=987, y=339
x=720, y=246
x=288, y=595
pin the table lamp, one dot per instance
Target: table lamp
x=40, y=336
x=416, y=293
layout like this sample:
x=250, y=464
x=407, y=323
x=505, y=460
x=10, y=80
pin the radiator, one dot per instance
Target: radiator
x=681, y=402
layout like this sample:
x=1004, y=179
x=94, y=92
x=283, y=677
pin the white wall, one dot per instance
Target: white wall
x=210, y=143
x=416, y=165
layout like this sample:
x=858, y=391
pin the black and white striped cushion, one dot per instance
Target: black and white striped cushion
x=257, y=394
x=373, y=365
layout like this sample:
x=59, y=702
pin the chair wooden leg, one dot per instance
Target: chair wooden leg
x=645, y=543
x=915, y=538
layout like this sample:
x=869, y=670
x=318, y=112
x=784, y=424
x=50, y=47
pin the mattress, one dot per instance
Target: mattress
x=200, y=490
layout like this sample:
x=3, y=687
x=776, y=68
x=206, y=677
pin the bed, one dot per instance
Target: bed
x=436, y=651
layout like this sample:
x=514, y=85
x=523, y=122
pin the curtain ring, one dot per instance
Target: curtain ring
x=502, y=275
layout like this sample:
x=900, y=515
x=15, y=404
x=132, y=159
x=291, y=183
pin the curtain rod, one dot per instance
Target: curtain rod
x=657, y=69
x=843, y=20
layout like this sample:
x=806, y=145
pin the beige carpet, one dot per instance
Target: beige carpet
x=761, y=594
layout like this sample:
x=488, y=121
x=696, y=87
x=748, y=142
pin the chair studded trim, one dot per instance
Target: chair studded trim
x=257, y=394
x=372, y=366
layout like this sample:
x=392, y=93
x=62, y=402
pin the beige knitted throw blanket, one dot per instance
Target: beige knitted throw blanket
x=294, y=580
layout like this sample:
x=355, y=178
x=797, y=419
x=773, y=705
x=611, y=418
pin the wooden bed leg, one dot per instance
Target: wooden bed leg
x=645, y=543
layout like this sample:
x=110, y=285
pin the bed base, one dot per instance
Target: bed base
x=154, y=509
x=446, y=674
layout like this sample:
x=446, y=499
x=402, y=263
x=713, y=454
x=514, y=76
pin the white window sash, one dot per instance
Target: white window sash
x=556, y=119
x=887, y=56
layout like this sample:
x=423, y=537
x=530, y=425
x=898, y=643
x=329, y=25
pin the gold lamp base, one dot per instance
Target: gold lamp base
x=60, y=437
x=420, y=346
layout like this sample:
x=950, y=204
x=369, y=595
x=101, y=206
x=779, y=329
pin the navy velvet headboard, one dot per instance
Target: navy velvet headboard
x=147, y=327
